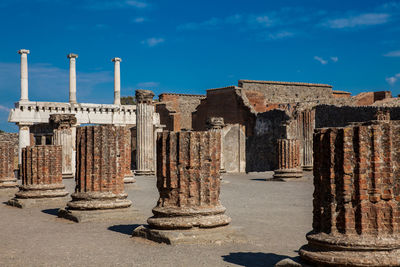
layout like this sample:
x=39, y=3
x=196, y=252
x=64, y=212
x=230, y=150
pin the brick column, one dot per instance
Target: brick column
x=127, y=150
x=216, y=124
x=306, y=121
x=144, y=137
x=288, y=152
x=357, y=197
x=7, y=178
x=188, y=182
x=100, y=169
x=41, y=178
x=63, y=135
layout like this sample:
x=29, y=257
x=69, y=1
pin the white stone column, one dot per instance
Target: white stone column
x=24, y=74
x=216, y=124
x=72, y=77
x=145, y=135
x=23, y=138
x=117, y=80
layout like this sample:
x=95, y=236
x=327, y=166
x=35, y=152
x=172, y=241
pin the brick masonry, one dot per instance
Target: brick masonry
x=356, y=218
x=188, y=181
x=7, y=153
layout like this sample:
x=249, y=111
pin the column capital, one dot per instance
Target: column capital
x=144, y=96
x=116, y=59
x=72, y=55
x=23, y=51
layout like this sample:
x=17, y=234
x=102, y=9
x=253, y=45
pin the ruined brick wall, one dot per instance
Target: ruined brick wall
x=41, y=165
x=341, y=94
x=334, y=116
x=283, y=92
x=356, y=178
x=7, y=154
x=176, y=110
x=226, y=103
x=369, y=98
x=188, y=165
x=13, y=139
x=99, y=162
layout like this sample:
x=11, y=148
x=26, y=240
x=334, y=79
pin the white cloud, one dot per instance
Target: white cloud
x=392, y=80
x=335, y=59
x=113, y=4
x=153, y=41
x=393, y=54
x=280, y=35
x=321, y=60
x=367, y=19
x=139, y=20
x=264, y=21
x=4, y=108
x=148, y=84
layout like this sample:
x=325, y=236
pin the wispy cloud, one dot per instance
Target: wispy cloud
x=393, y=54
x=114, y=4
x=321, y=60
x=4, y=108
x=151, y=42
x=335, y=59
x=392, y=80
x=139, y=20
x=362, y=20
x=148, y=84
x=280, y=35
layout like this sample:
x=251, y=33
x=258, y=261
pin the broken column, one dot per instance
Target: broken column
x=288, y=152
x=145, y=131
x=72, y=77
x=216, y=124
x=117, y=81
x=41, y=178
x=99, y=191
x=128, y=174
x=188, y=181
x=24, y=74
x=356, y=217
x=306, y=121
x=63, y=128
x=7, y=179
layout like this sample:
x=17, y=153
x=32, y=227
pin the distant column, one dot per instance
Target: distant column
x=288, y=152
x=216, y=124
x=24, y=74
x=144, y=137
x=117, y=81
x=72, y=77
x=23, y=138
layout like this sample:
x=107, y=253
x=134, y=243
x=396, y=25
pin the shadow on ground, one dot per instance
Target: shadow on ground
x=51, y=211
x=126, y=229
x=254, y=259
x=268, y=179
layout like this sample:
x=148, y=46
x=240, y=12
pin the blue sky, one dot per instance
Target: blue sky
x=189, y=46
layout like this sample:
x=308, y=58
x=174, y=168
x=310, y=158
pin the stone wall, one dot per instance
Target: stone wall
x=176, y=110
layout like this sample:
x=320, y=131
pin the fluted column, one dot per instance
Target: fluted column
x=72, y=77
x=99, y=175
x=117, y=81
x=62, y=129
x=216, y=124
x=356, y=197
x=7, y=178
x=24, y=74
x=288, y=153
x=188, y=182
x=41, y=177
x=144, y=137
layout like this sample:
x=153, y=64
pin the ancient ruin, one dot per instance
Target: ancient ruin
x=41, y=178
x=188, y=182
x=289, y=163
x=7, y=178
x=101, y=167
x=356, y=197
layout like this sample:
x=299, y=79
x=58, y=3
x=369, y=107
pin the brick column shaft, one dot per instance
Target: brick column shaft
x=7, y=178
x=289, y=158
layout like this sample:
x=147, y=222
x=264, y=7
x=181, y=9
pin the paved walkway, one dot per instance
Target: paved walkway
x=274, y=217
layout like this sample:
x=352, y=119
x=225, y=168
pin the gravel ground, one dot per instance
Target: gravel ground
x=273, y=216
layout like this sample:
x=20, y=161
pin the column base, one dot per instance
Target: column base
x=97, y=215
x=8, y=183
x=288, y=173
x=308, y=168
x=41, y=191
x=98, y=201
x=38, y=202
x=222, y=171
x=186, y=218
x=144, y=173
x=193, y=236
x=341, y=250
x=129, y=180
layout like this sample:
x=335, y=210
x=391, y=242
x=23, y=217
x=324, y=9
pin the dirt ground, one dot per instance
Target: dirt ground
x=272, y=216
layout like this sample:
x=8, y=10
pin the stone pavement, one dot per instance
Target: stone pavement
x=274, y=217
